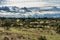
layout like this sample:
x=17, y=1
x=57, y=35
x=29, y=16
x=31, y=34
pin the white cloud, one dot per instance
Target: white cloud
x=30, y=3
x=50, y=12
x=27, y=4
x=24, y=3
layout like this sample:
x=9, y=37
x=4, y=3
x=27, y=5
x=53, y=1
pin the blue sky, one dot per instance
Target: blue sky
x=30, y=3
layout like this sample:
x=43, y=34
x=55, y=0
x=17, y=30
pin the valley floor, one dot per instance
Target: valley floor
x=28, y=34
x=29, y=29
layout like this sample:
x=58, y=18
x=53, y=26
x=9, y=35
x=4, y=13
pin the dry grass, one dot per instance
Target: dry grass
x=28, y=34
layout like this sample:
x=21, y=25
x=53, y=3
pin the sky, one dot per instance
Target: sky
x=30, y=3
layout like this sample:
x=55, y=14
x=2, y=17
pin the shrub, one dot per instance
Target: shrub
x=42, y=38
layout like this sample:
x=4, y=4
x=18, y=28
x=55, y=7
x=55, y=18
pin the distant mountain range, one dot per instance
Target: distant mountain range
x=30, y=12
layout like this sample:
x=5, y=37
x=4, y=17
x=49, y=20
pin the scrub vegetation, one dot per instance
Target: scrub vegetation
x=29, y=29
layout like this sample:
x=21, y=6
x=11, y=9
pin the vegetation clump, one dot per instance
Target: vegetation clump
x=42, y=38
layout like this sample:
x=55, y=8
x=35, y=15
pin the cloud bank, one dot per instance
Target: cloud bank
x=30, y=3
x=15, y=8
